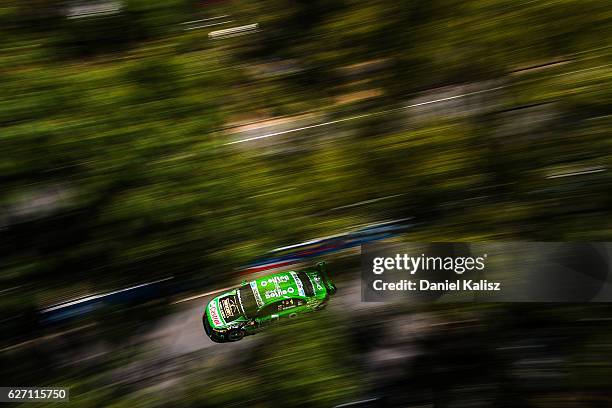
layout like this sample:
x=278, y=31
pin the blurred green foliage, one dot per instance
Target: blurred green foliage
x=113, y=124
x=115, y=171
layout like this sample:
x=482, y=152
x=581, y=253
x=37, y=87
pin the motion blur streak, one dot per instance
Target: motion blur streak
x=362, y=116
x=189, y=138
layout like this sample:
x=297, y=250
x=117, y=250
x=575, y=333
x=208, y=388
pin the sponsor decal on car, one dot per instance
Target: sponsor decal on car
x=214, y=314
x=229, y=308
x=277, y=286
x=240, y=301
x=256, y=293
x=317, y=282
x=300, y=285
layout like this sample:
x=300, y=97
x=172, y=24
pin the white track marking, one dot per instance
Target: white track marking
x=209, y=25
x=578, y=173
x=205, y=19
x=351, y=404
x=374, y=200
x=187, y=299
x=365, y=115
x=234, y=31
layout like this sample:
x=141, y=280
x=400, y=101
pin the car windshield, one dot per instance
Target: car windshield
x=247, y=298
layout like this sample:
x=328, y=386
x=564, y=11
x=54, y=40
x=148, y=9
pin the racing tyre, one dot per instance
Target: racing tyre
x=235, y=335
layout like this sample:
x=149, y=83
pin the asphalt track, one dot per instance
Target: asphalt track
x=181, y=332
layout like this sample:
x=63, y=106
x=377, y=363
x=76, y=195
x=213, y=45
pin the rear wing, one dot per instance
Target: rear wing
x=329, y=285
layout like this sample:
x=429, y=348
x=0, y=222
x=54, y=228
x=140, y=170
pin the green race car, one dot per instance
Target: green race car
x=256, y=304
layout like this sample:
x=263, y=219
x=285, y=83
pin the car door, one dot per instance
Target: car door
x=290, y=308
x=280, y=310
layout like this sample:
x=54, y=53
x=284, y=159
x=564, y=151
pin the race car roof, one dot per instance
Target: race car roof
x=279, y=286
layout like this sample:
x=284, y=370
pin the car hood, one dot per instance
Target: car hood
x=230, y=307
x=224, y=310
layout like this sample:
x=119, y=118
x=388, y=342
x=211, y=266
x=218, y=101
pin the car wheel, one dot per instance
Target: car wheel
x=216, y=339
x=235, y=334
